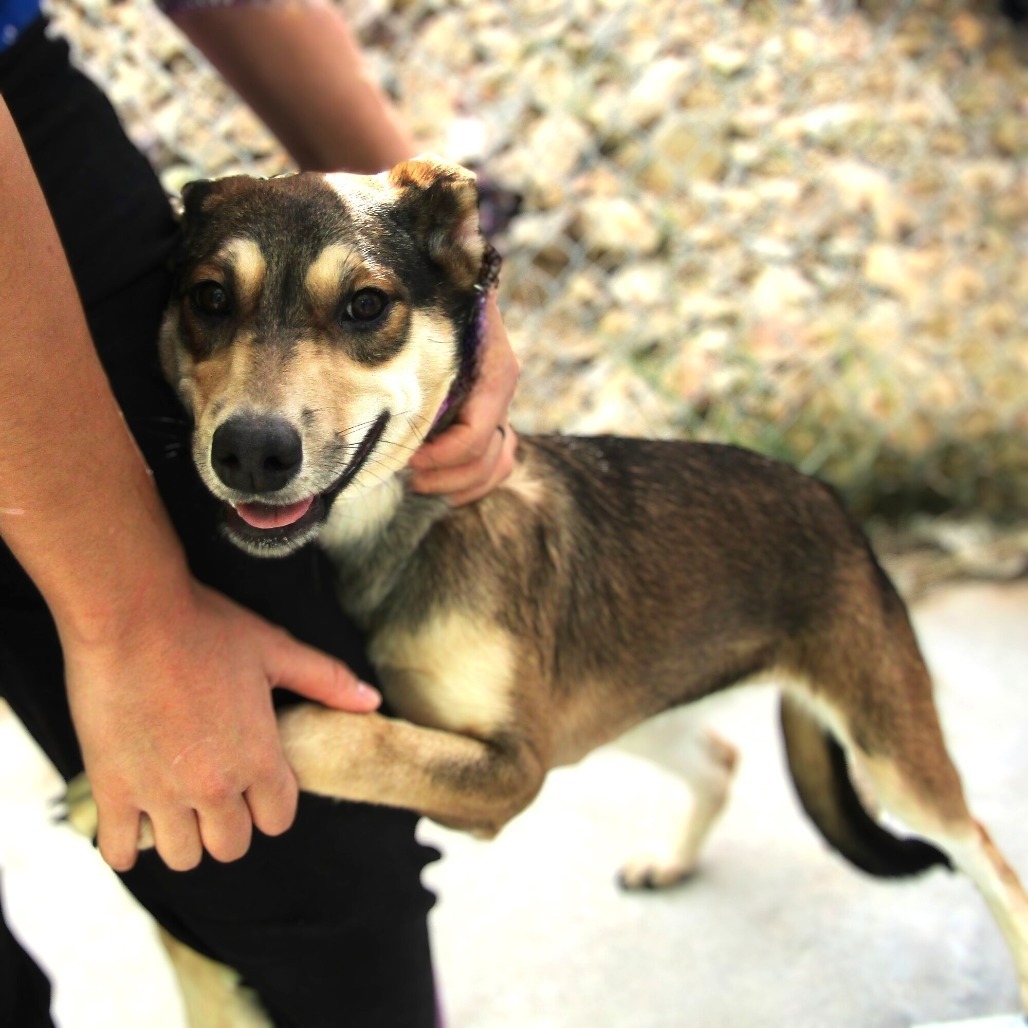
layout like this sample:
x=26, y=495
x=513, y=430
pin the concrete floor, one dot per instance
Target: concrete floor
x=531, y=931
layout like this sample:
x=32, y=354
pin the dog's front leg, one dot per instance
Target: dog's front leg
x=473, y=784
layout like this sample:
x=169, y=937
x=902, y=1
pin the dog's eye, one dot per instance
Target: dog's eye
x=366, y=305
x=211, y=298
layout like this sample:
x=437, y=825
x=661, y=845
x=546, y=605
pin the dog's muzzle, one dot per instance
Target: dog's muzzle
x=262, y=454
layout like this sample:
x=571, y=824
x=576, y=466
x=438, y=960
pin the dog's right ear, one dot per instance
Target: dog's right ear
x=440, y=200
x=189, y=199
x=201, y=196
x=193, y=196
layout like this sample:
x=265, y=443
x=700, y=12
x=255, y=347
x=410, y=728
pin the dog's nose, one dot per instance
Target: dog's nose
x=256, y=453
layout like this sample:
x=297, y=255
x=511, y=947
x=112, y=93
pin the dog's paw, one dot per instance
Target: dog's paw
x=650, y=872
x=79, y=807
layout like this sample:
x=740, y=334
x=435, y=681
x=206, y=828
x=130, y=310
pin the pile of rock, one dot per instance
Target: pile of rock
x=794, y=226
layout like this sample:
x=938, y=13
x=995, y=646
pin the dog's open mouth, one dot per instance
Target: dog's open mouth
x=266, y=516
x=269, y=527
x=282, y=527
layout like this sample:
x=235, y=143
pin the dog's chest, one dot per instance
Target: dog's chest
x=453, y=672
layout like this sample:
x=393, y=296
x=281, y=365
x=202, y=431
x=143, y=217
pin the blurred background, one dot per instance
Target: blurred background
x=800, y=226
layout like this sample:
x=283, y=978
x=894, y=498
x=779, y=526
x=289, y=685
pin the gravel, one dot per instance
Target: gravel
x=798, y=226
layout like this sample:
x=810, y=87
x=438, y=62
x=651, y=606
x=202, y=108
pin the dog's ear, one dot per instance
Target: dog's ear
x=201, y=196
x=440, y=200
x=188, y=206
x=179, y=201
x=193, y=195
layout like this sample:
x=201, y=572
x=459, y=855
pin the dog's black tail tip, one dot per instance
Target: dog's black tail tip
x=901, y=858
x=821, y=776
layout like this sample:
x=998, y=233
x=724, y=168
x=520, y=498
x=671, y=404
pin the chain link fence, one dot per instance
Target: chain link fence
x=800, y=226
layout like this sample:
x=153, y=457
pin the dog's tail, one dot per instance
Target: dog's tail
x=821, y=776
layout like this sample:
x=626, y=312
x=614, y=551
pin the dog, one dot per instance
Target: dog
x=320, y=324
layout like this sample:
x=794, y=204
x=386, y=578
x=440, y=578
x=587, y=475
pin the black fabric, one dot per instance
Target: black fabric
x=327, y=922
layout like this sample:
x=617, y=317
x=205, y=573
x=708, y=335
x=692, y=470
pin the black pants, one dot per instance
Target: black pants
x=329, y=921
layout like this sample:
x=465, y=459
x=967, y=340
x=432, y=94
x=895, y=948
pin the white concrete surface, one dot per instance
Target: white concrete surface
x=531, y=931
x=105, y=962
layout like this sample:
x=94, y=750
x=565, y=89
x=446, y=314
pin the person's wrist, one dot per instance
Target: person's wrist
x=140, y=594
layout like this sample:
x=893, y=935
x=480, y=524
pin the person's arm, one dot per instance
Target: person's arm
x=169, y=683
x=298, y=66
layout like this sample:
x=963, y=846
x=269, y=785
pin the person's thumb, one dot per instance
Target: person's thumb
x=319, y=677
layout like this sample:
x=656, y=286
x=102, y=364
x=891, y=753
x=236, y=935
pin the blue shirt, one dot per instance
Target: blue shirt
x=15, y=17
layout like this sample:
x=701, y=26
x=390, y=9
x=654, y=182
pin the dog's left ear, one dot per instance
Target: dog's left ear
x=440, y=200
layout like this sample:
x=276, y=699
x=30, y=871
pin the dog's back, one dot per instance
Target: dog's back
x=633, y=560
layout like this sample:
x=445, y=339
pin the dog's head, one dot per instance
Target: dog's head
x=315, y=333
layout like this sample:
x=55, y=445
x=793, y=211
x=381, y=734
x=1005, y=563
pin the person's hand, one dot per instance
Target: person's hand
x=176, y=722
x=476, y=452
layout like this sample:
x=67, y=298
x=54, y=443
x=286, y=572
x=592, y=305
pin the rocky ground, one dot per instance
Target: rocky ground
x=800, y=226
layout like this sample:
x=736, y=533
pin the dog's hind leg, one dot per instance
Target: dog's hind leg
x=977, y=856
x=213, y=995
x=869, y=685
x=706, y=763
x=911, y=798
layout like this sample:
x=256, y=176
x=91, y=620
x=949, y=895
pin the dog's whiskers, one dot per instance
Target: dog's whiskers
x=357, y=427
x=387, y=464
x=419, y=433
x=403, y=446
x=371, y=473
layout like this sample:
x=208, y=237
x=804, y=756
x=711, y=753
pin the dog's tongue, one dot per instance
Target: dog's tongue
x=264, y=515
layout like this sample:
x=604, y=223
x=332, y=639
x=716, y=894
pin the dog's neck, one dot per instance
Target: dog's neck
x=470, y=350
x=370, y=542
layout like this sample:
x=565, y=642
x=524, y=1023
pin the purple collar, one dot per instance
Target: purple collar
x=471, y=342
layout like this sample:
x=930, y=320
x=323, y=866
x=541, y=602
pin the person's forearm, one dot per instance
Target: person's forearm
x=298, y=66
x=78, y=507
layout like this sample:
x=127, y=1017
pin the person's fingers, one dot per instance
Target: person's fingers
x=117, y=836
x=470, y=435
x=226, y=828
x=502, y=467
x=469, y=482
x=462, y=443
x=462, y=446
x=273, y=802
x=500, y=364
x=318, y=677
x=177, y=837
x=469, y=438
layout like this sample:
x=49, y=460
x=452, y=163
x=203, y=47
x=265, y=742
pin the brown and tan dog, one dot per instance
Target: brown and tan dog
x=320, y=325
